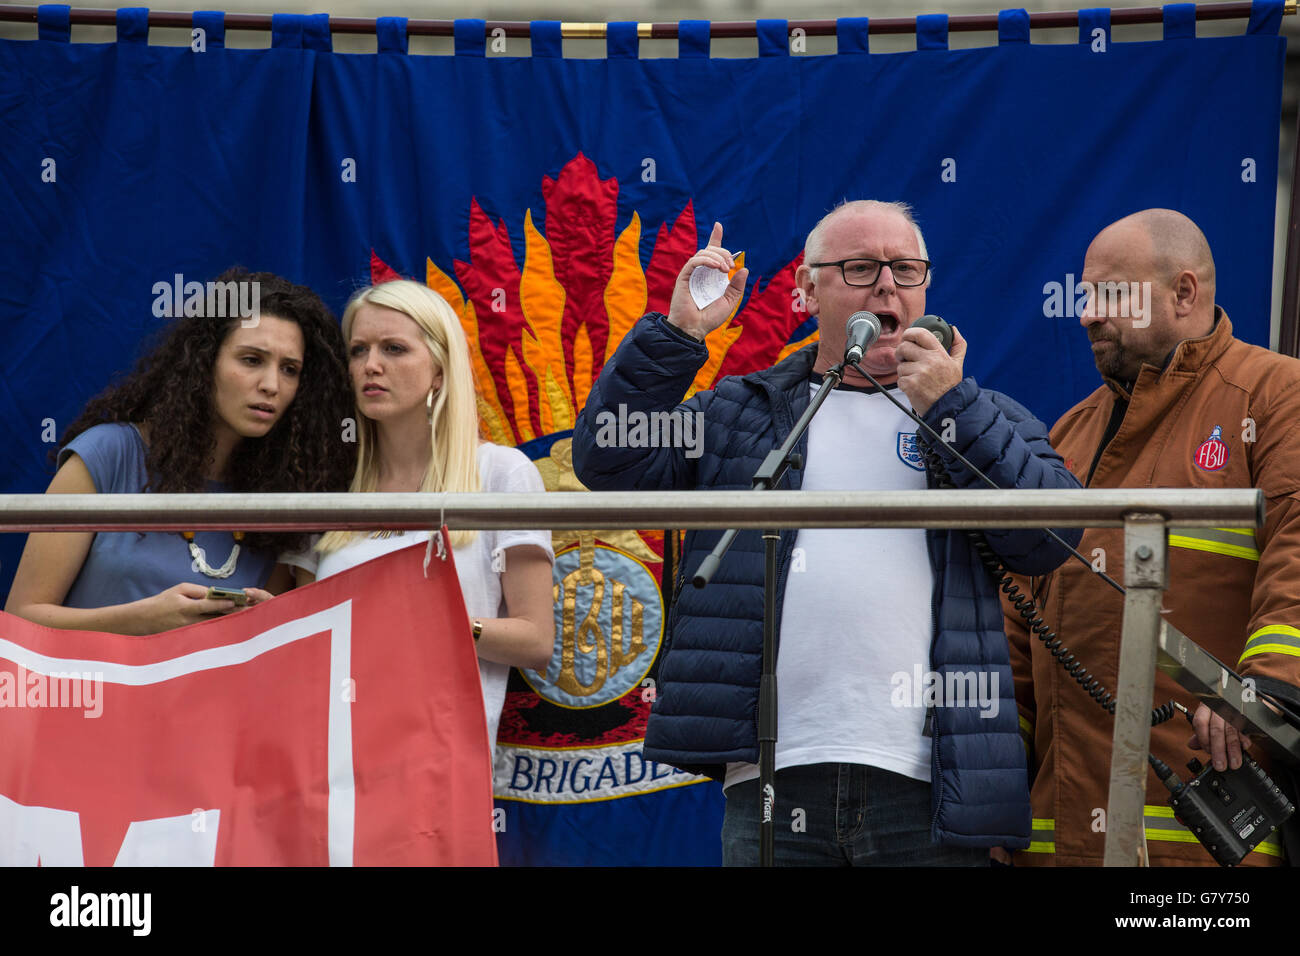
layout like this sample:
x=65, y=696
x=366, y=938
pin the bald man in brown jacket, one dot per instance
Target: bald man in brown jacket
x=1183, y=405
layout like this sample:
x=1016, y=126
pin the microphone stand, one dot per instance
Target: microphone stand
x=769, y=474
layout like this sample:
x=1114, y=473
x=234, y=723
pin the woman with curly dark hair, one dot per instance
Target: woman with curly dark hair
x=248, y=403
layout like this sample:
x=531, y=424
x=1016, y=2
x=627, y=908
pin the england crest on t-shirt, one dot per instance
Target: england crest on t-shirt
x=909, y=452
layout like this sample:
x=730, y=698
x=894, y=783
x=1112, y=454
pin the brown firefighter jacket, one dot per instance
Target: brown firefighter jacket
x=1223, y=414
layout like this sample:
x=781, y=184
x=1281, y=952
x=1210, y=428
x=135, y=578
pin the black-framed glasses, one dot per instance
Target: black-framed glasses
x=865, y=272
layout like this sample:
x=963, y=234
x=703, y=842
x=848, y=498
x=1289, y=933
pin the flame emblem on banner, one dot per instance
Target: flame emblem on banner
x=538, y=338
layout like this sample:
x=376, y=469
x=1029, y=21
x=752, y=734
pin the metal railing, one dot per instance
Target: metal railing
x=1102, y=508
x=1145, y=514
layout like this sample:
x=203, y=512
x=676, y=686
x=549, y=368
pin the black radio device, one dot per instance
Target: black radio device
x=1229, y=812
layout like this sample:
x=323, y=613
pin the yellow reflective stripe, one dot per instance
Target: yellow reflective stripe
x=1273, y=639
x=1045, y=830
x=1286, y=629
x=1271, y=846
x=1169, y=830
x=1026, y=727
x=1234, y=536
x=1166, y=829
x=1231, y=542
x=1272, y=649
x=1227, y=550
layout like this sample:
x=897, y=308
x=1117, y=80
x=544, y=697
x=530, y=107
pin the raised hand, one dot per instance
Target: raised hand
x=683, y=313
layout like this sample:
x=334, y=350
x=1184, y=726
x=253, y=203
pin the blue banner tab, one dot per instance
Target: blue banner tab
x=54, y=22
x=851, y=34
x=692, y=39
x=1090, y=21
x=316, y=33
x=391, y=34
x=1265, y=17
x=1013, y=26
x=470, y=37
x=286, y=31
x=547, y=41
x=213, y=25
x=1180, y=21
x=133, y=25
x=773, y=37
x=932, y=31
x=622, y=41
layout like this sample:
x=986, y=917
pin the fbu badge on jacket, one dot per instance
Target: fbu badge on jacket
x=1212, y=454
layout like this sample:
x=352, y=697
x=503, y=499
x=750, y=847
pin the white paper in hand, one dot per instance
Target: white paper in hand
x=707, y=285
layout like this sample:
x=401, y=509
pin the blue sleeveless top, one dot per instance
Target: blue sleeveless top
x=124, y=566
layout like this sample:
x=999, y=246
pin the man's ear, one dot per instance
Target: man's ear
x=807, y=288
x=1186, y=292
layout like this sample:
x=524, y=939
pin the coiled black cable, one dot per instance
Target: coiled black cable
x=1027, y=608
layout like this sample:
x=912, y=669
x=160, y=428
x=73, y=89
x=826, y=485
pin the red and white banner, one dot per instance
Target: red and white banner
x=339, y=724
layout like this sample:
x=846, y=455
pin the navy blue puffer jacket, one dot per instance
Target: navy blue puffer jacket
x=705, y=714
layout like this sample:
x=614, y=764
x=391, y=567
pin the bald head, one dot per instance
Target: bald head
x=1153, y=276
x=1173, y=243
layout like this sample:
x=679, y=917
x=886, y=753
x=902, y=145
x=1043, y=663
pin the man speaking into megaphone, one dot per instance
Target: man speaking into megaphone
x=897, y=735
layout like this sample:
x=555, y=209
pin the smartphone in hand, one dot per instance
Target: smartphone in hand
x=229, y=594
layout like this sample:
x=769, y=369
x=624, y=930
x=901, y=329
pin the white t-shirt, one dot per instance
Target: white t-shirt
x=857, y=604
x=501, y=469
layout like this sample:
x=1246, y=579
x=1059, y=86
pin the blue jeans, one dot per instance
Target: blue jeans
x=830, y=814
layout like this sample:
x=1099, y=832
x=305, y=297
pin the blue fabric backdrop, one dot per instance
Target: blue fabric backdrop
x=172, y=161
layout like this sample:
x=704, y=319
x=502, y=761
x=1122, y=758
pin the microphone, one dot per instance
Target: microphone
x=938, y=327
x=863, y=330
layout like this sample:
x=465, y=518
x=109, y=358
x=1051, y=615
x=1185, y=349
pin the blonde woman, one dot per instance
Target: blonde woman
x=418, y=431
